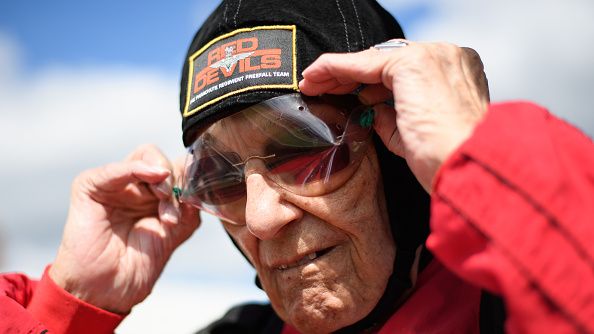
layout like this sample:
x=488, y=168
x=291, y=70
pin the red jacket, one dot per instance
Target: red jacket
x=512, y=212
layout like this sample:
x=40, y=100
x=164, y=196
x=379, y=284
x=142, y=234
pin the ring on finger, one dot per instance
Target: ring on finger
x=390, y=45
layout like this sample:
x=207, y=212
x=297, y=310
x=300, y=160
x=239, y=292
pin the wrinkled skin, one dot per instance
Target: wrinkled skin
x=350, y=224
x=276, y=227
x=439, y=90
x=121, y=229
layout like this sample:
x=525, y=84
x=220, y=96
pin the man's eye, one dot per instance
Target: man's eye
x=293, y=160
x=280, y=160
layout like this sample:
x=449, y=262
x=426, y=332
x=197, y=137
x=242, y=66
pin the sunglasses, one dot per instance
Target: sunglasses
x=309, y=146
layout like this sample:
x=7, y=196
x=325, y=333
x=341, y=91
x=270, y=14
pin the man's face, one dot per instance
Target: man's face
x=323, y=261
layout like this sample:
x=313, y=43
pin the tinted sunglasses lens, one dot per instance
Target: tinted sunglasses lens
x=306, y=166
x=215, y=180
x=309, y=146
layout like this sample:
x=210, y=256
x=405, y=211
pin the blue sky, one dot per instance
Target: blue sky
x=136, y=33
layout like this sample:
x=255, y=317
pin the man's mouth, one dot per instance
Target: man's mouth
x=306, y=259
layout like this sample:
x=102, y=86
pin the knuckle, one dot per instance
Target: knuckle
x=79, y=179
x=442, y=45
x=324, y=59
x=420, y=51
x=447, y=50
x=471, y=53
x=475, y=60
x=413, y=57
x=105, y=168
x=472, y=56
x=453, y=50
x=424, y=56
x=83, y=178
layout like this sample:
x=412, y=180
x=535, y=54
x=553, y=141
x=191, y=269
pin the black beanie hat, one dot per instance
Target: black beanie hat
x=276, y=38
x=248, y=51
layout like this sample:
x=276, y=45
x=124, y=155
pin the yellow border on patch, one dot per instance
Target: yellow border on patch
x=294, y=86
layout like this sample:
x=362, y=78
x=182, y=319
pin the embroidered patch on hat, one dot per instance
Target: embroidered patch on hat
x=242, y=60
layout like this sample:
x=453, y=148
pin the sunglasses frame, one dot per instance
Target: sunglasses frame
x=364, y=120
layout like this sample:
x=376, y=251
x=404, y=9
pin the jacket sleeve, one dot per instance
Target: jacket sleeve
x=40, y=307
x=513, y=212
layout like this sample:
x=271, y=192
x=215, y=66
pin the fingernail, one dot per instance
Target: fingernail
x=165, y=187
x=168, y=212
x=158, y=169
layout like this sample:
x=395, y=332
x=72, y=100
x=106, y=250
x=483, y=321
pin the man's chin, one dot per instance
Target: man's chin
x=327, y=313
x=322, y=295
x=320, y=302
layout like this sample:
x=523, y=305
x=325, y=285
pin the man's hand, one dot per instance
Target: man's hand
x=439, y=90
x=122, y=227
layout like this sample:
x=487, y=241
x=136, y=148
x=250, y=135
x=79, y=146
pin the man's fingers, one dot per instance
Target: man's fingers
x=344, y=89
x=153, y=156
x=374, y=94
x=385, y=126
x=473, y=66
x=168, y=212
x=162, y=190
x=189, y=216
x=315, y=88
x=116, y=176
x=331, y=71
x=188, y=222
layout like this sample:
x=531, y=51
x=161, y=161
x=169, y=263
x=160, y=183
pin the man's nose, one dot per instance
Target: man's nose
x=266, y=212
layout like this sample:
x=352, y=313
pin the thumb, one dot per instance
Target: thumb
x=385, y=126
x=116, y=176
x=188, y=222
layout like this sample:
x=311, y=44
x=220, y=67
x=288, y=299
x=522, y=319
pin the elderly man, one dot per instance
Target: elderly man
x=301, y=159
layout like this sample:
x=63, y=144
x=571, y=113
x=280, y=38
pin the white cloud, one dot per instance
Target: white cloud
x=539, y=50
x=58, y=121
x=90, y=113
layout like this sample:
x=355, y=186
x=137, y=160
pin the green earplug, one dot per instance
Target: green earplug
x=366, y=119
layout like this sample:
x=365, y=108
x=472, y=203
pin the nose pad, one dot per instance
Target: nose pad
x=266, y=211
